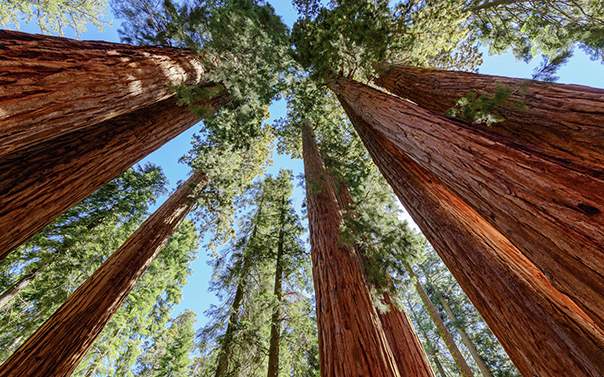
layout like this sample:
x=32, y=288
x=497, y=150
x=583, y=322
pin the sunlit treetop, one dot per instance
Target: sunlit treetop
x=352, y=37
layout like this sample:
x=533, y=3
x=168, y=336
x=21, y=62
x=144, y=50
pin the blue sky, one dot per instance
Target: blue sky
x=580, y=70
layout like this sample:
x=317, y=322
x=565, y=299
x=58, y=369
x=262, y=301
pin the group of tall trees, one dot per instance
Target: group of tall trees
x=503, y=176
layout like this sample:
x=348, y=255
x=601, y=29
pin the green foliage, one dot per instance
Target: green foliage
x=548, y=27
x=478, y=108
x=352, y=37
x=66, y=252
x=243, y=44
x=53, y=16
x=247, y=268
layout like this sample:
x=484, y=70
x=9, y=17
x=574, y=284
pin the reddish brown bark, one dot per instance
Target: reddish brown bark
x=351, y=339
x=56, y=348
x=564, y=123
x=408, y=352
x=553, y=214
x=51, y=86
x=543, y=331
x=406, y=347
x=39, y=183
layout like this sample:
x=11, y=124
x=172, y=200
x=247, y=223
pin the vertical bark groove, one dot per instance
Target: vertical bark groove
x=534, y=202
x=543, y=331
x=351, y=339
x=51, y=85
x=56, y=348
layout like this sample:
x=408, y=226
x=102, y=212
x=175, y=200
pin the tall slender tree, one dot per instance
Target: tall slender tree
x=58, y=346
x=461, y=363
x=335, y=290
x=565, y=120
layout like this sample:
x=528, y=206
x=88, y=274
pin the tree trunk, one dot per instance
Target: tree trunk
x=406, y=347
x=39, y=183
x=447, y=337
x=432, y=349
x=553, y=214
x=275, y=337
x=351, y=339
x=13, y=290
x=407, y=350
x=562, y=123
x=51, y=86
x=467, y=341
x=543, y=331
x=57, y=347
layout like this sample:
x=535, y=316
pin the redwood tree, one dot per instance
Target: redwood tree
x=39, y=183
x=552, y=214
x=52, y=86
x=543, y=331
x=351, y=338
x=562, y=123
x=58, y=345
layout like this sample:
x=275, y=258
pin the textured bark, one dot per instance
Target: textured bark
x=57, y=347
x=51, y=86
x=563, y=123
x=39, y=183
x=13, y=290
x=275, y=336
x=445, y=334
x=543, y=331
x=430, y=348
x=406, y=347
x=553, y=214
x=351, y=339
x=467, y=341
x=407, y=350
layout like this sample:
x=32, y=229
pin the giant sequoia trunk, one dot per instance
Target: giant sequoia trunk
x=447, y=337
x=404, y=343
x=553, y=214
x=51, y=86
x=543, y=331
x=467, y=341
x=406, y=347
x=563, y=123
x=40, y=182
x=351, y=339
x=56, y=348
x=275, y=336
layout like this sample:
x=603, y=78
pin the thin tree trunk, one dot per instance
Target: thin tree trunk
x=13, y=290
x=553, y=214
x=226, y=350
x=543, y=331
x=275, y=337
x=432, y=350
x=351, y=339
x=467, y=341
x=562, y=123
x=460, y=361
x=57, y=347
x=39, y=183
x=51, y=86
